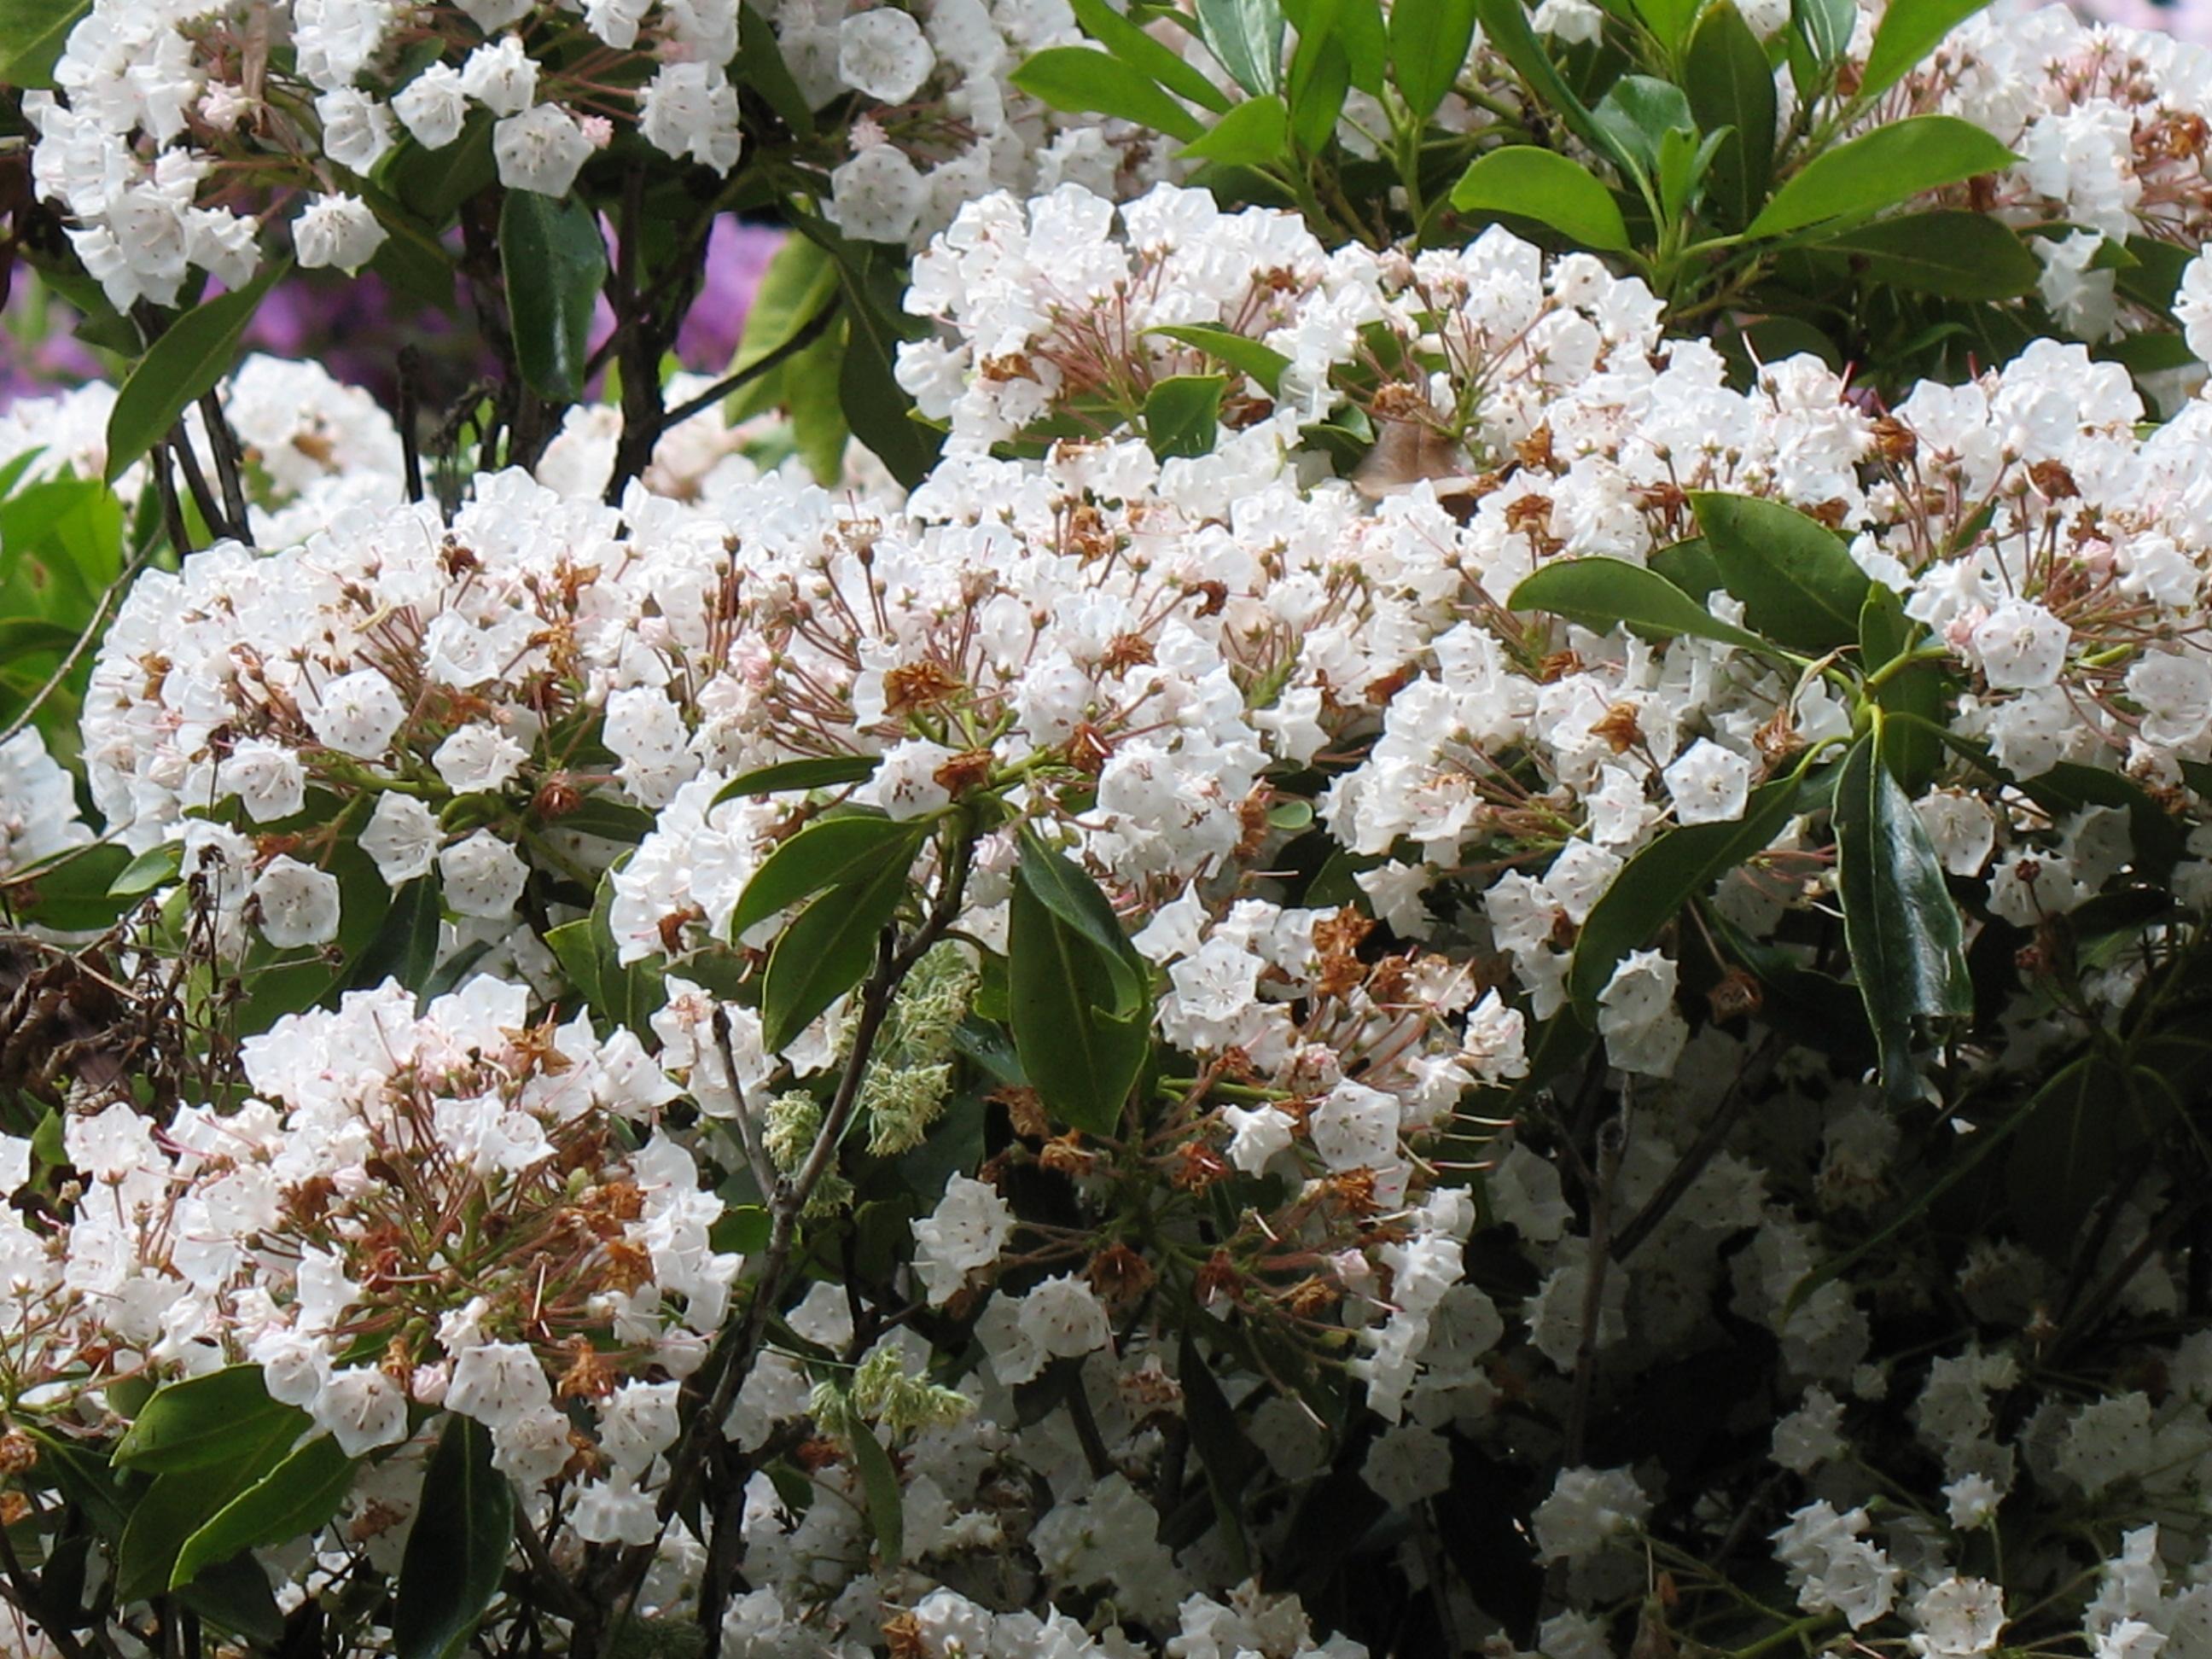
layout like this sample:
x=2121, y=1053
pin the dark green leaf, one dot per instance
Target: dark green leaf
x=431, y=183
x=83, y=1477
x=32, y=35
x=827, y=952
x=292, y=1500
x=1182, y=414
x=1321, y=72
x=879, y=1479
x=1879, y=169
x=1247, y=37
x=876, y=407
x=553, y=260
x=1680, y=865
x=798, y=283
x=1546, y=186
x=189, y=358
x=828, y=772
x=1908, y=31
x=205, y=1420
x=1062, y=887
x=1668, y=19
x=1225, y=1453
x=1601, y=594
x=1162, y=63
x=1256, y=134
x=1505, y=26
x=72, y=892
x=1080, y=1058
x=1638, y=112
x=1730, y=85
x=1825, y=27
x=1262, y=363
x=1083, y=80
x=760, y=65
x=149, y=870
x=181, y=1502
x=1899, y=920
x=1429, y=45
x=458, y=1549
x=828, y=852
x=1795, y=577
x=406, y=948
x=1953, y=253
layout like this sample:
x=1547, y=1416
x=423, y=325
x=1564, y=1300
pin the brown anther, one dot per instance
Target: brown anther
x=1735, y=996
x=1383, y=687
x=1353, y=1191
x=1557, y=666
x=1618, y=728
x=1387, y=979
x=1119, y=1275
x=1312, y=1297
x=671, y=928
x=1024, y=1109
x=903, y=1637
x=968, y=769
x=14, y=1506
x=1338, y=938
x=1529, y=515
x=556, y=798
x=1665, y=498
x=1088, y=749
x=1213, y=598
x=18, y=1452
x=818, y=1453
x=1007, y=366
x=1193, y=1166
x=266, y=848
x=1401, y=402
x=1089, y=536
x=1125, y=651
x=398, y=1363
x=918, y=686
x=1777, y=739
x=1065, y=1155
x=1252, y=823
x=1830, y=512
x=310, y=1201
x=628, y=1265
x=1536, y=449
x=2053, y=480
x=589, y=1374
x=1894, y=441
x=457, y=561
x=585, y=1458
x=376, y=1518
x=1218, y=1277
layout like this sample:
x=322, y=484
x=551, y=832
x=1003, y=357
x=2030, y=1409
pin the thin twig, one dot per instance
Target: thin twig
x=1703, y=1151
x=1611, y=1142
x=222, y=444
x=809, y=332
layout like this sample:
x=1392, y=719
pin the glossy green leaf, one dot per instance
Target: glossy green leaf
x=205, y=1420
x=1668, y=20
x=1247, y=37
x=1226, y=1455
x=1900, y=920
x=1880, y=168
x=1638, y=112
x=799, y=281
x=827, y=771
x=432, y=184
x=1357, y=28
x=877, y=408
x=1952, y=253
x=1083, y=80
x=828, y=852
x=1321, y=72
x=1256, y=134
x=1429, y=44
x=1908, y=31
x=1060, y=987
x=879, y=1481
x=71, y=893
x=760, y=66
x=1546, y=186
x=553, y=260
x=828, y=951
x=1162, y=63
x=195, y=353
x=1911, y=747
x=1730, y=85
x=181, y=1501
x=1680, y=865
x=292, y=1501
x=1182, y=415
x=1825, y=27
x=32, y=35
x=1063, y=888
x=457, y=1547
x=1506, y=28
x=152, y=868
x=1797, y=578
x=1262, y=363
x=1601, y=594
x=406, y=948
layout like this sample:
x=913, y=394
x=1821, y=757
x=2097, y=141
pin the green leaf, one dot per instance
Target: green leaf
x=1730, y=85
x=1795, y=576
x=1147, y=56
x=1825, y=27
x=294, y=1499
x=1899, y=920
x=149, y=870
x=760, y=66
x=876, y=407
x=1505, y=26
x=1879, y=169
x=32, y=35
x=1059, y=885
x=1429, y=45
x=1262, y=363
x=811, y=385
x=1081, y=1058
x=1182, y=414
x=1911, y=748
x=1546, y=186
x=828, y=772
x=181, y=1501
x=553, y=260
x=405, y=947
x=431, y=183
x=879, y=1480
x=1083, y=80
x=798, y=282
x=1321, y=72
x=1652, y=888
x=1247, y=37
x=195, y=353
x=1953, y=253
x=828, y=852
x=205, y=1420
x=1909, y=31
x=827, y=952
x=1601, y=594
x=1640, y=111
x=1254, y=134
x=1669, y=20
x=458, y=1548
x=1226, y=1455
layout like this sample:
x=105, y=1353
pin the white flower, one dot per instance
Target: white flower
x=402, y=835
x=1256, y=1136
x=1710, y=784
x=266, y=777
x=1643, y=1030
x=501, y=75
x=905, y=785
x=1064, y=1317
x=1587, y=1509
x=356, y=128
x=432, y=105
x=2022, y=647
x=357, y=715
x=299, y=903
x=968, y=1228
x=498, y=1383
x=691, y=109
x=482, y=876
x=337, y=231
x=542, y=150
x=478, y=758
x=883, y=54
x=363, y=1409
x=1957, y=1618
x=1355, y=1128
x=877, y=196
x=2175, y=691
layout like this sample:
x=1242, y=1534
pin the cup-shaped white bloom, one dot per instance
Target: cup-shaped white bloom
x=1710, y=784
x=432, y=105
x=338, y=231
x=885, y=54
x=402, y=836
x=299, y=903
x=482, y=876
x=2020, y=646
x=541, y=149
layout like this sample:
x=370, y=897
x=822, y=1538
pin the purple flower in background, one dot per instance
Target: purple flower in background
x=737, y=257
